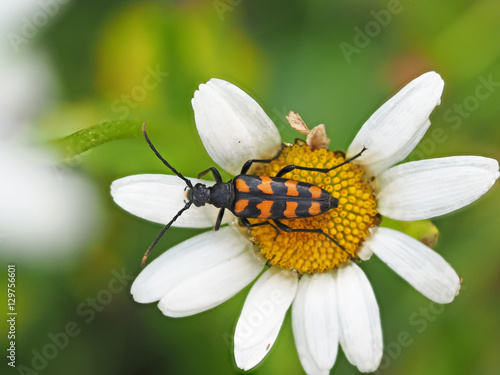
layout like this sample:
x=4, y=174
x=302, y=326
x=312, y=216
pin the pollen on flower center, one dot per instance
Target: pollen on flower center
x=348, y=224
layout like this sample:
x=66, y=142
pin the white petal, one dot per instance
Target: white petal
x=421, y=266
x=365, y=253
x=210, y=287
x=262, y=316
x=315, y=323
x=359, y=319
x=232, y=126
x=157, y=198
x=394, y=130
x=193, y=262
x=429, y=188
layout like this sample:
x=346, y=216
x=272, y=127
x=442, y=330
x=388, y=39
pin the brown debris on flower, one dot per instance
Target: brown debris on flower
x=316, y=138
x=297, y=123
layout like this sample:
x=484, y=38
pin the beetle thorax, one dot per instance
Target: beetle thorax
x=222, y=194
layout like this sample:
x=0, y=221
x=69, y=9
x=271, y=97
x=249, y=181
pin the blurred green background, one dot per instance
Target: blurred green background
x=334, y=63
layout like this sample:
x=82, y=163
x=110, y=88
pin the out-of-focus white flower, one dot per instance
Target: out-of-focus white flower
x=26, y=88
x=46, y=209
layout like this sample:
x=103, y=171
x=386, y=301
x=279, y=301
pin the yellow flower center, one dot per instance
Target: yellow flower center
x=348, y=224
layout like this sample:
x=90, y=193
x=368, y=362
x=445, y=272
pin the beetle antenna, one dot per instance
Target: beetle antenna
x=145, y=257
x=188, y=183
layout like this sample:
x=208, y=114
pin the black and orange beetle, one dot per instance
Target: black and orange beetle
x=258, y=197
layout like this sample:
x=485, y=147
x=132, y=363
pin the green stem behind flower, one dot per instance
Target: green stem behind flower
x=86, y=139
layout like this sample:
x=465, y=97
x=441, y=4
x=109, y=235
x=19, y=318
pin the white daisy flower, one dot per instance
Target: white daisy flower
x=332, y=300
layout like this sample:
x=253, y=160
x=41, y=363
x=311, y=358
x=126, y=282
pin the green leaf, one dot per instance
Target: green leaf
x=86, y=139
x=423, y=230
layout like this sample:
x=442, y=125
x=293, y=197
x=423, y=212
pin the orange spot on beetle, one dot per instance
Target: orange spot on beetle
x=291, y=186
x=265, y=209
x=315, y=209
x=240, y=205
x=290, y=209
x=242, y=186
x=315, y=192
x=265, y=186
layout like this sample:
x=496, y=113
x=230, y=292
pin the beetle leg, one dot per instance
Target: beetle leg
x=215, y=173
x=219, y=219
x=247, y=224
x=287, y=229
x=249, y=163
x=291, y=167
